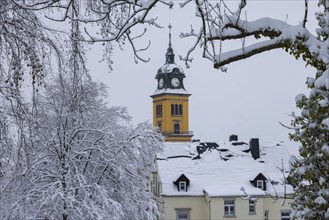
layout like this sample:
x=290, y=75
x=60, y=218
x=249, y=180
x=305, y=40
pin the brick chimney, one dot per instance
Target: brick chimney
x=254, y=148
x=233, y=137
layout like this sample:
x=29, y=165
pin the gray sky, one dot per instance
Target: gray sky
x=249, y=100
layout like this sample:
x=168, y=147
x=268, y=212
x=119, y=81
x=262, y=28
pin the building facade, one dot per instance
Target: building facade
x=208, y=180
x=202, y=180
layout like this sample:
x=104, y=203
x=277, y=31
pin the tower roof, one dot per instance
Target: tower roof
x=170, y=75
x=170, y=67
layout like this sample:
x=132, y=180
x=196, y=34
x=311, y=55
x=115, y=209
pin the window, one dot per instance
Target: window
x=183, y=214
x=182, y=186
x=285, y=215
x=252, y=207
x=159, y=188
x=176, y=109
x=158, y=110
x=176, y=128
x=154, y=186
x=260, y=184
x=229, y=207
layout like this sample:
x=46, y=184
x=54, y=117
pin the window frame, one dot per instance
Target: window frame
x=158, y=110
x=182, y=183
x=252, y=203
x=186, y=211
x=285, y=217
x=260, y=183
x=180, y=109
x=176, y=109
x=177, y=125
x=229, y=213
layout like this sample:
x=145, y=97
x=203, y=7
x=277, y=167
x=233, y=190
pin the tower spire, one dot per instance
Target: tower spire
x=170, y=56
x=169, y=34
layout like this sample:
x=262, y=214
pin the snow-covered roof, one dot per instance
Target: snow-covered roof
x=180, y=91
x=223, y=171
x=170, y=68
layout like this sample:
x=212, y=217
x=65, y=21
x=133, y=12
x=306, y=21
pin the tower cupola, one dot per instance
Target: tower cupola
x=170, y=76
x=170, y=100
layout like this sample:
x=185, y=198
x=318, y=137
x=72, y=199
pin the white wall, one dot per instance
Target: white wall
x=241, y=208
x=199, y=208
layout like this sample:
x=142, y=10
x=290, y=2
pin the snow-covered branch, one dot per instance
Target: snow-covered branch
x=243, y=53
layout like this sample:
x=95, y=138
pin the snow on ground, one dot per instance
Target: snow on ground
x=223, y=171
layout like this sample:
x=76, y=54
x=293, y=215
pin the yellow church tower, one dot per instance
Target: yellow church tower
x=170, y=100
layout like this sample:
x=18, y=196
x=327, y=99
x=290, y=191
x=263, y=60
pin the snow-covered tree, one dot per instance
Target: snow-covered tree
x=32, y=30
x=115, y=21
x=65, y=154
x=87, y=161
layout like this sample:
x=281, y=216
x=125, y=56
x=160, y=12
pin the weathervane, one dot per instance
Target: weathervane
x=169, y=34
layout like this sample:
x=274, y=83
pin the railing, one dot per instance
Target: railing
x=173, y=133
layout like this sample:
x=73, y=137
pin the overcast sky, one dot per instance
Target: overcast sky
x=249, y=100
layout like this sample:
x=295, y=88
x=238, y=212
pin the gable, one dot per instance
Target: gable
x=182, y=178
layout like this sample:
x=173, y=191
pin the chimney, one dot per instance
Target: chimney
x=233, y=137
x=254, y=148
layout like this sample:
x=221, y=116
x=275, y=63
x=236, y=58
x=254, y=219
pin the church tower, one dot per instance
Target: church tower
x=170, y=100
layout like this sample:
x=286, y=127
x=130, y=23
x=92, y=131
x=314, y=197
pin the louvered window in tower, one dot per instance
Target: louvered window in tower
x=176, y=109
x=176, y=128
x=159, y=110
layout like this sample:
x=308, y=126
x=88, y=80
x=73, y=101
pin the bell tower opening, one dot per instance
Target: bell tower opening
x=170, y=100
x=176, y=128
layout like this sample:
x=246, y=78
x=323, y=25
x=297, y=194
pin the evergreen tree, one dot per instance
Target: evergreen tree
x=310, y=174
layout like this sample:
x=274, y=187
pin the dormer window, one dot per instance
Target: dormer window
x=182, y=186
x=182, y=183
x=260, y=184
x=259, y=181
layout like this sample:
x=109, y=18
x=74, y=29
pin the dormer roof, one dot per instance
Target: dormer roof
x=182, y=178
x=260, y=176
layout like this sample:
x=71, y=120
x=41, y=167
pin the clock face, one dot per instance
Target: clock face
x=161, y=83
x=175, y=82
